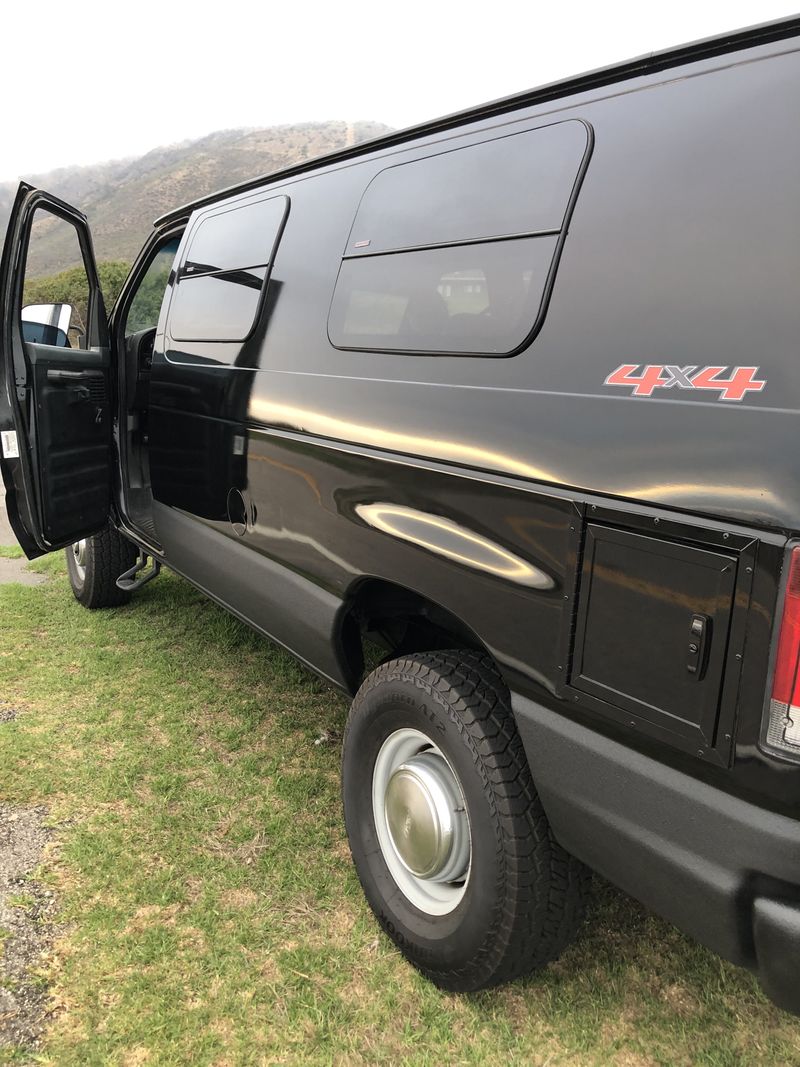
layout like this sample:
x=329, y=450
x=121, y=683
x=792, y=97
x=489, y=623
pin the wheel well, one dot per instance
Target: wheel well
x=382, y=619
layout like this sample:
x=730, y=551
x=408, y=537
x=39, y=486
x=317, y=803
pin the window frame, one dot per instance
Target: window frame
x=180, y=277
x=96, y=325
x=560, y=235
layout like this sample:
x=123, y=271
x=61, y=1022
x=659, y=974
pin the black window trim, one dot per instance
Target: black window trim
x=561, y=234
x=523, y=236
x=180, y=276
x=189, y=273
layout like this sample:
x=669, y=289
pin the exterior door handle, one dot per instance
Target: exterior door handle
x=698, y=644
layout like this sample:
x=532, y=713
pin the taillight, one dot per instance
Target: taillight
x=783, y=731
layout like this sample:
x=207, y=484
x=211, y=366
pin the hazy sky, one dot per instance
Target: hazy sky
x=83, y=82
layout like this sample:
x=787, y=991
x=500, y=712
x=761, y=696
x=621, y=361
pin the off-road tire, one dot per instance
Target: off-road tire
x=108, y=555
x=525, y=896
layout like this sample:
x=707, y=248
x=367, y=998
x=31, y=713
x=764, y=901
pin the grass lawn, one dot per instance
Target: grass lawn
x=210, y=910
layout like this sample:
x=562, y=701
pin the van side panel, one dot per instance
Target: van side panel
x=683, y=250
x=335, y=464
x=298, y=614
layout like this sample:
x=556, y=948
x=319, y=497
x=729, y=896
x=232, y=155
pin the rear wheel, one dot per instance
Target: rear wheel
x=95, y=563
x=447, y=832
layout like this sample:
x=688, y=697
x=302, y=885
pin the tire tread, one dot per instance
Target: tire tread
x=109, y=555
x=544, y=889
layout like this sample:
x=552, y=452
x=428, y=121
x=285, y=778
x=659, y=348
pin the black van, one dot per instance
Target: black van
x=514, y=396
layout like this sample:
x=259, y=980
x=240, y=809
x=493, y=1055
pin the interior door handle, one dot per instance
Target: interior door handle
x=698, y=645
x=56, y=375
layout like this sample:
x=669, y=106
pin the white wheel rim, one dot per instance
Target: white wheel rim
x=422, y=821
x=79, y=553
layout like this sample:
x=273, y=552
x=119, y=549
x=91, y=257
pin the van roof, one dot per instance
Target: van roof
x=708, y=47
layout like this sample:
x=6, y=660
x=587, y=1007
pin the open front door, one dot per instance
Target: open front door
x=55, y=386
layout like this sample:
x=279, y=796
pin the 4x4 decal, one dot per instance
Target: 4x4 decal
x=739, y=380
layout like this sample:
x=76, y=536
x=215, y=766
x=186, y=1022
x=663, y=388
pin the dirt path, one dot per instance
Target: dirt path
x=26, y=907
x=14, y=570
x=6, y=533
x=26, y=926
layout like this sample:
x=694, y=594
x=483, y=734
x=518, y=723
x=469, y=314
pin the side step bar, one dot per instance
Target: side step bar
x=129, y=580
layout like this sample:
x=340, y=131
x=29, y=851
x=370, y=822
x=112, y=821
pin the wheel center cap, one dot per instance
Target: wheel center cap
x=426, y=819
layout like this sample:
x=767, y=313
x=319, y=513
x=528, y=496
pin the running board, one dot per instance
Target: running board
x=128, y=581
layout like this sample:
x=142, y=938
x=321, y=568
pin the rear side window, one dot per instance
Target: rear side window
x=223, y=275
x=455, y=253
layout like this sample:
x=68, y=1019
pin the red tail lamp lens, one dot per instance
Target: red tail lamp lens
x=784, y=714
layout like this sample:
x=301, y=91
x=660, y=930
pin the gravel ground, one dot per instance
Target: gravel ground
x=26, y=926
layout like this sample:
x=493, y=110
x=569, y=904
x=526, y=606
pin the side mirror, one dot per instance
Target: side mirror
x=47, y=324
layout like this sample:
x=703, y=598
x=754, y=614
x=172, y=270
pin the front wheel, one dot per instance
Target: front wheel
x=95, y=563
x=448, y=835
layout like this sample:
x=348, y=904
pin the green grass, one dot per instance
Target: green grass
x=211, y=912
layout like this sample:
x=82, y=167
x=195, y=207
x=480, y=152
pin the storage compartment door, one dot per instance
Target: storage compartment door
x=652, y=630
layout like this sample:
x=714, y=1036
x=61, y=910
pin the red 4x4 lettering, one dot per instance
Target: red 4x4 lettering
x=741, y=380
x=650, y=378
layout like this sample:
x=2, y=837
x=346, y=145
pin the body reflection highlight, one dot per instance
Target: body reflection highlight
x=446, y=538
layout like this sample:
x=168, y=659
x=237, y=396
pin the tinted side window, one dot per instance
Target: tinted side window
x=217, y=307
x=238, y=237
x=224, y=272
x=518, y=184
x=461, y=299
x=455, y=253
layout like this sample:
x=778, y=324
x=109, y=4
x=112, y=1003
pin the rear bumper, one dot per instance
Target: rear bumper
x=724, y=870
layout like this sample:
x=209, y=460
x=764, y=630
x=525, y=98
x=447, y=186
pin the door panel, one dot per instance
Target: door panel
x=55, y=400
x=71, y=438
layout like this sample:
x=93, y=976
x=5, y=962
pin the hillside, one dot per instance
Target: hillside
x=122, y=198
